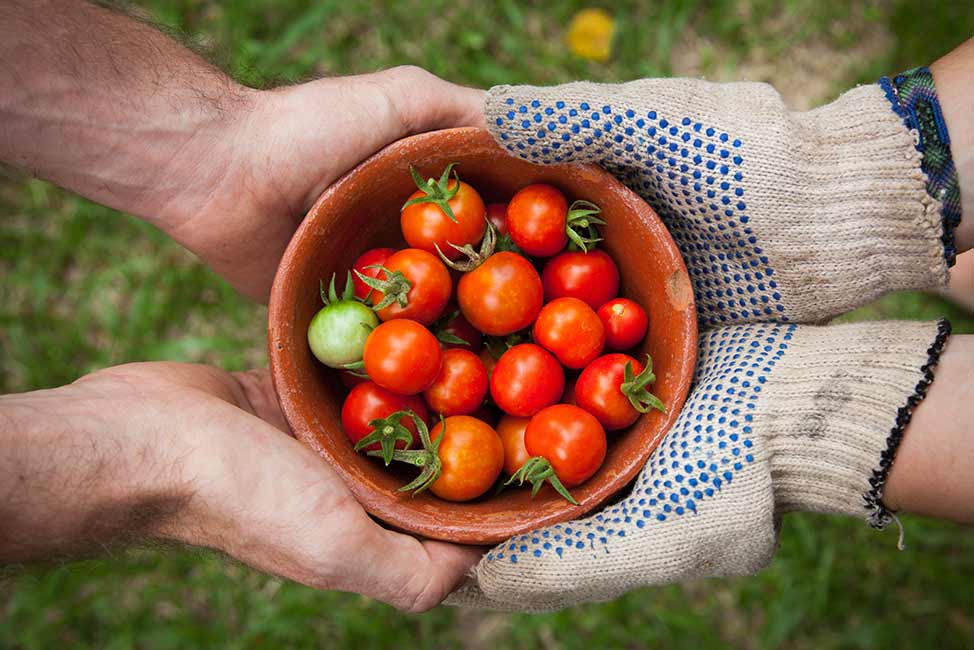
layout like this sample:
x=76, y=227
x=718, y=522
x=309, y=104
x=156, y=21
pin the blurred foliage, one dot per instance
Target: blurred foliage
x=85, y=287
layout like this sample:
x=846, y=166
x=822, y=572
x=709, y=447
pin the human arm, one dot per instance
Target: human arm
x=166, y=452
x=118, y=112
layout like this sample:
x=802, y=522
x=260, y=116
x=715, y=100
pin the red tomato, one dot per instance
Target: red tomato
x=502, y=295
x=461, y=328
x=430, y=286
x=511, y=430
x=402, y=356
x=368, y=401
x=461, y=385
x=472, y=456
x=497, y=216
x=426, y=224
x=526, y=379
x=536, y=218
x=625, y=323
x=571, y=439
x=592, y=277
x=569, y=329
x=599, y=391
x=373, y=257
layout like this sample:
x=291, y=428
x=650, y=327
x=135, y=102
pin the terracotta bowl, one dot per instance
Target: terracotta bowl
x=361, y=211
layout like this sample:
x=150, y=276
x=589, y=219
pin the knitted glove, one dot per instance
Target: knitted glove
x=783, y=417
x=779, y=215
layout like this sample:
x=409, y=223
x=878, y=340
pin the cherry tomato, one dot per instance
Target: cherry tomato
x=526, y=379
x=402, y=356
x=430, y=286
x=569, y=329
x=337, y=333
x=599, y=390
x=502, y=295
x=625, y=323
x=571, y=439
x=426, y=225
x=373, y=257
x=459, y=327
x=472, y=456
x=460, y=386
x=592, y=277
x=536, y=218
x=368, y=401
x=497, y=216
x=511, y=430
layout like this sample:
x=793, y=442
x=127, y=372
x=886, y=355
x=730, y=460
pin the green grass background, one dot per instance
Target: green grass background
x=84, y=287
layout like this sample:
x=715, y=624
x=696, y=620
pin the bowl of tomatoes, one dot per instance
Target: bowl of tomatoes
x=471, y=366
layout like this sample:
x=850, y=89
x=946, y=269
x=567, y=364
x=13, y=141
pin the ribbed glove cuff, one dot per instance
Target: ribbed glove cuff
x=835, y=415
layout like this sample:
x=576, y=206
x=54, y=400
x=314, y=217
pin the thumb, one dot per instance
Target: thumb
x=421, y=101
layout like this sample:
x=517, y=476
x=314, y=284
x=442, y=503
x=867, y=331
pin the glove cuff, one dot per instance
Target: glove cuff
x=840, y=409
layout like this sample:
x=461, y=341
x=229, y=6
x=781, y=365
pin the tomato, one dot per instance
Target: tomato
x=536, y=218
x=368, y=402
x=455, y=331
x=497, y=216
x=625, y=323
x=402, y=356
x=569, y=329
x=511, y=430
x=425, y=223
x=526, y=379
x=370, y=258
x=460, y=386
x=416, y=278
x=615, y=400
x=592, y=277
x=472, y=456
x=337, y=333
x=569, y=438
x=502, y=295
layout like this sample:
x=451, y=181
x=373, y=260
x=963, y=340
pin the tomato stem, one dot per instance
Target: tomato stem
x=387, y=432
x=437, y=192
x=581, y=225
x=356, y=369
x=395, y=288
x=474, y=258
x=536, y=470
x=635, y=388
x=332, y=296
x=427, y=458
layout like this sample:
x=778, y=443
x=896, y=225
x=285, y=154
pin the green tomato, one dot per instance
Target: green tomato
x=338, y=331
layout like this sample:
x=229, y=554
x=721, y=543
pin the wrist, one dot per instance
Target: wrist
x=81, y=471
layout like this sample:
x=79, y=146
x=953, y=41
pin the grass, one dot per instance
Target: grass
x=85, y=287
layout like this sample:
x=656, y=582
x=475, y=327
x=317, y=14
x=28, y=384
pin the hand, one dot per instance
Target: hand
x=212, y=447
x=290, y=146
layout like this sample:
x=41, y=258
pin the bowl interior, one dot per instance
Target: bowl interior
x=361, y=211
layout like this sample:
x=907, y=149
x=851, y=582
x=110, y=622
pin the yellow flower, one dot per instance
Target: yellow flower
x=590, y=35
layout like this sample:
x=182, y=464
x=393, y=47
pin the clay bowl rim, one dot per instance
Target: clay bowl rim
x=385, y=507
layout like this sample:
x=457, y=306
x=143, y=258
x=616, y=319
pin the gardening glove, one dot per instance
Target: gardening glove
x=780, y=215
x=782, y=417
